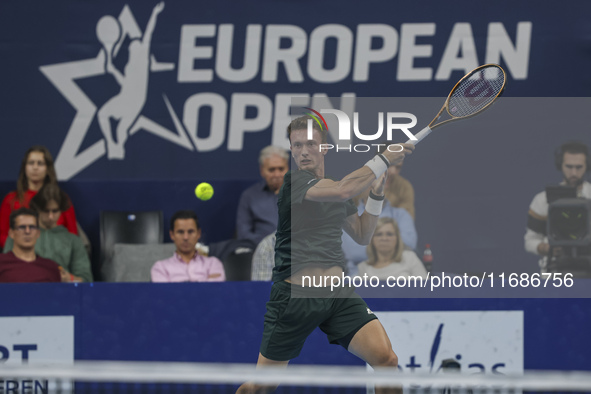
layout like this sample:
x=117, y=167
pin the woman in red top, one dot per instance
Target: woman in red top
x=36, y=170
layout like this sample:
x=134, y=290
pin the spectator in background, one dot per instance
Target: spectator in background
x=55, y=242
x=387, y=256
x=263, y=259
x=257, y=210
x=399, y=190
x=572, y=159
x=36, y=170
x=186, y=264
x=22, y=264
x=355, y=253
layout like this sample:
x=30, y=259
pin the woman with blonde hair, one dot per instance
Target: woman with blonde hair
x=36, y=170
x=387, y=255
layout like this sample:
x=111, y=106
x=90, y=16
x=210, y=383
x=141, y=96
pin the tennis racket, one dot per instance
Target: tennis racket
x=472, y=94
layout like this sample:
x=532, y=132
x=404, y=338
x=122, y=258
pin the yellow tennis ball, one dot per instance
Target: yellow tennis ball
x=204, y=191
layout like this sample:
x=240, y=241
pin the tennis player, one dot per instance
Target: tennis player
x=313, y=211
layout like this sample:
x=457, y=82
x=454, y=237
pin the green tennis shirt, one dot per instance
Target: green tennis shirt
x=308, y=232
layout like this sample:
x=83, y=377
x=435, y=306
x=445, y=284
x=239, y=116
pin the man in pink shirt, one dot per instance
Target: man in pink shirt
x=186, y=265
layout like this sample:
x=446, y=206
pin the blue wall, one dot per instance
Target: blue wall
x=222, y=322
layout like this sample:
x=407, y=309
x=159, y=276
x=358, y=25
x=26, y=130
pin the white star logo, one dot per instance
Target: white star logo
x=125, y=107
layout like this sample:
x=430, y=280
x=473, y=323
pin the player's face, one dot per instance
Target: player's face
x=25, y=232
x=384, y=239
x=273, y=170
x=574, y=167
x=185, y=235
x=49, y=216
x=305, y=152
x=36, y=168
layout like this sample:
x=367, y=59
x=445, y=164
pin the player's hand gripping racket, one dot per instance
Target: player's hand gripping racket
x=472, y=94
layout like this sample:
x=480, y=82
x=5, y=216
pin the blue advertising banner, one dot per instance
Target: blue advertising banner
x=223, y=322
x=127, y=94
x=149, y=90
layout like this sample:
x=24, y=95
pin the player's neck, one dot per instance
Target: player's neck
x=319, y=172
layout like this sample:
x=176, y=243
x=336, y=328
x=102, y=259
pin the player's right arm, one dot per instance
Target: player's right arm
x=327, y=190
x=361, y=228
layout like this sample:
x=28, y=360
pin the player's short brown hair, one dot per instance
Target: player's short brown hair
x=301, y=123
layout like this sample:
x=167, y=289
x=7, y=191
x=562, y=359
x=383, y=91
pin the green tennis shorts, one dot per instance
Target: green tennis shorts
x=290, y=320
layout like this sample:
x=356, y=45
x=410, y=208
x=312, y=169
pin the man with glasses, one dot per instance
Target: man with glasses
x=56, y=242
x=22, y=263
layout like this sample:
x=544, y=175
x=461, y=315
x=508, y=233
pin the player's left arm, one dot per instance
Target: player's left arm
x=361, y=228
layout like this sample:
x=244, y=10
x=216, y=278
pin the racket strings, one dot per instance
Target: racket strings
x=476, y=92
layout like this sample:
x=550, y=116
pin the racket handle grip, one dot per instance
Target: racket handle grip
x=422, y=134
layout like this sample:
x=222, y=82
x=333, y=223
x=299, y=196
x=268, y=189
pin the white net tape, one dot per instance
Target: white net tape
x=294, y=375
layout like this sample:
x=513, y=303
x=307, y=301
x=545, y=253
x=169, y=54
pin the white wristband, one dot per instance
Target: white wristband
x=373, y=207
x=378, y=165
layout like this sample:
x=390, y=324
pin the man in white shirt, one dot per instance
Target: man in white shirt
x=572, y=159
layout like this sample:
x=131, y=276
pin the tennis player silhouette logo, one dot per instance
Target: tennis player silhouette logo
x=122, y=115
x=126, y=106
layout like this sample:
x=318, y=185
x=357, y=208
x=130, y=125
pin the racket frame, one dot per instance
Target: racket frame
x=467, y=76
x=427, y=130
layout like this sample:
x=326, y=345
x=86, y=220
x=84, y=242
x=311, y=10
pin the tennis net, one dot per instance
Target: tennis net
x=146, y=377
